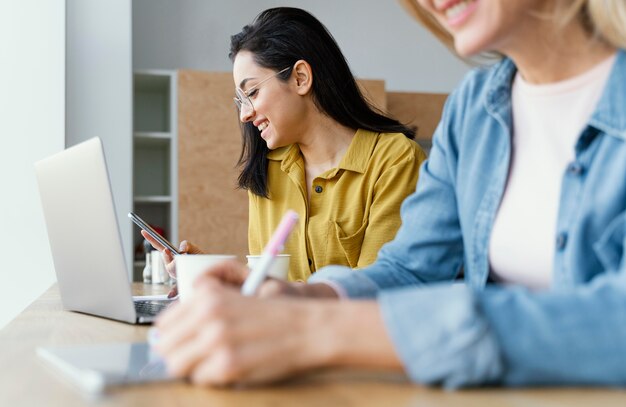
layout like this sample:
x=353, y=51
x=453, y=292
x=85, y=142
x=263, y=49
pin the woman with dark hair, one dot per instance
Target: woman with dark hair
x=312, y=143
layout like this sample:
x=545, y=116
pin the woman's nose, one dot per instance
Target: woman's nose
x=246, y=113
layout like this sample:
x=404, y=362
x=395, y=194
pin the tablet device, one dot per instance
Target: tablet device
x=94, y=368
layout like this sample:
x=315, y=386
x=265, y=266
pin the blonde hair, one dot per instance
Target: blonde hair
x=604, y=19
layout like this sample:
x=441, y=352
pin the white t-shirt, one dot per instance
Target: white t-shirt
x=547, y=122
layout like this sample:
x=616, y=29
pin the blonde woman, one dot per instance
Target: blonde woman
x=525, y=188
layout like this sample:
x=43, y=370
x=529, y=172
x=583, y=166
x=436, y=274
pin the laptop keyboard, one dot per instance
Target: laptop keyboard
x=150, y=307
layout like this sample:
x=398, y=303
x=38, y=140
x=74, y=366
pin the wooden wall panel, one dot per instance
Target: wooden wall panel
x=422, y=110
x=374, y=91
x=213, y=213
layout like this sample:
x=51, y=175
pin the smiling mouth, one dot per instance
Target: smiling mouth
x=456, y=10
x=263, y=126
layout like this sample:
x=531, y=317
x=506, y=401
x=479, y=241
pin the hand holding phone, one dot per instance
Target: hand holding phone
x=156, y=236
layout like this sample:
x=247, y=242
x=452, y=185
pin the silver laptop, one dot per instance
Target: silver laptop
x=84, y=236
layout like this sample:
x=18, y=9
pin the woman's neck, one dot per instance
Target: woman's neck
x=325, y=144
x=556, y=56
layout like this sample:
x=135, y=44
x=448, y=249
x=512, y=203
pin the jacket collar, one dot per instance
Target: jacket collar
x=609, y=115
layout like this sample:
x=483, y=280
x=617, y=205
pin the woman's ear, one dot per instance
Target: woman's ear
x=304, y=77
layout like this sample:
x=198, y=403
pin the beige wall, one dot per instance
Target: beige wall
x=378, y=38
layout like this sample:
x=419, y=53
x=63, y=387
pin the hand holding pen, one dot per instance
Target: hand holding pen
x=258, y=274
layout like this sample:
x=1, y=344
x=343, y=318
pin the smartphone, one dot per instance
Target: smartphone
x=94, y=368
x=143, y=225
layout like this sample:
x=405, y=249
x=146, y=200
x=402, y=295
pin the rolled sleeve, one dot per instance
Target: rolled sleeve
x=440, y=335
x=351, y=283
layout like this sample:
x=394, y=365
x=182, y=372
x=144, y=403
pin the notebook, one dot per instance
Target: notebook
x=84, y=236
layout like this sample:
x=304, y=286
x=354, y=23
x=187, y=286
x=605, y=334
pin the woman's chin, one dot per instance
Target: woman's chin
x=271, y=143
x=468, y=46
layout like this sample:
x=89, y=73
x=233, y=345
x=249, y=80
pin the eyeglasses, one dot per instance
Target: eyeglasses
x=242, y=100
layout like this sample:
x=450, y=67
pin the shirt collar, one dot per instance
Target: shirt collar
x=359, y=151
x=284, y=153
x=355, y=159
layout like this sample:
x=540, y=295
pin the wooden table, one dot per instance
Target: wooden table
x=26, y=380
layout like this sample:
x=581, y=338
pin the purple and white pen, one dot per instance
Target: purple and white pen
x=273, y=248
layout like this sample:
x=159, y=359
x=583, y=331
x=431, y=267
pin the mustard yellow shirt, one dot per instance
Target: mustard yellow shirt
x=354, y=208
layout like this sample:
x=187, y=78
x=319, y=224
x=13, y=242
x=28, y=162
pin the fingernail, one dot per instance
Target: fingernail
x=183, y=246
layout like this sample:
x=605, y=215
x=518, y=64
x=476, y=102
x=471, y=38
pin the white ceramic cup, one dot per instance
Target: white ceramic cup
x=190, y=266
x=280, y=266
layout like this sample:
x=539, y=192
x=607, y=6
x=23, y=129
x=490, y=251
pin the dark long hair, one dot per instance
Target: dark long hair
x=277, y=38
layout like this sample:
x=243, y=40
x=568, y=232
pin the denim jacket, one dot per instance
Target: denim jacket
x=479, y=333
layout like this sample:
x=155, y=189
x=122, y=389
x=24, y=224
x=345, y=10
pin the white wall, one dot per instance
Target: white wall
x=379, y=39
x=32, y=40
x=99, y=93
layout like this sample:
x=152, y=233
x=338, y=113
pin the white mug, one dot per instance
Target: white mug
x=191, y=266
x=280, y=265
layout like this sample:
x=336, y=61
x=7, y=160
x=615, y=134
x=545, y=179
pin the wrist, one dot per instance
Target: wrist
x=319, y=290
x=352, y=334
x=321, y=340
